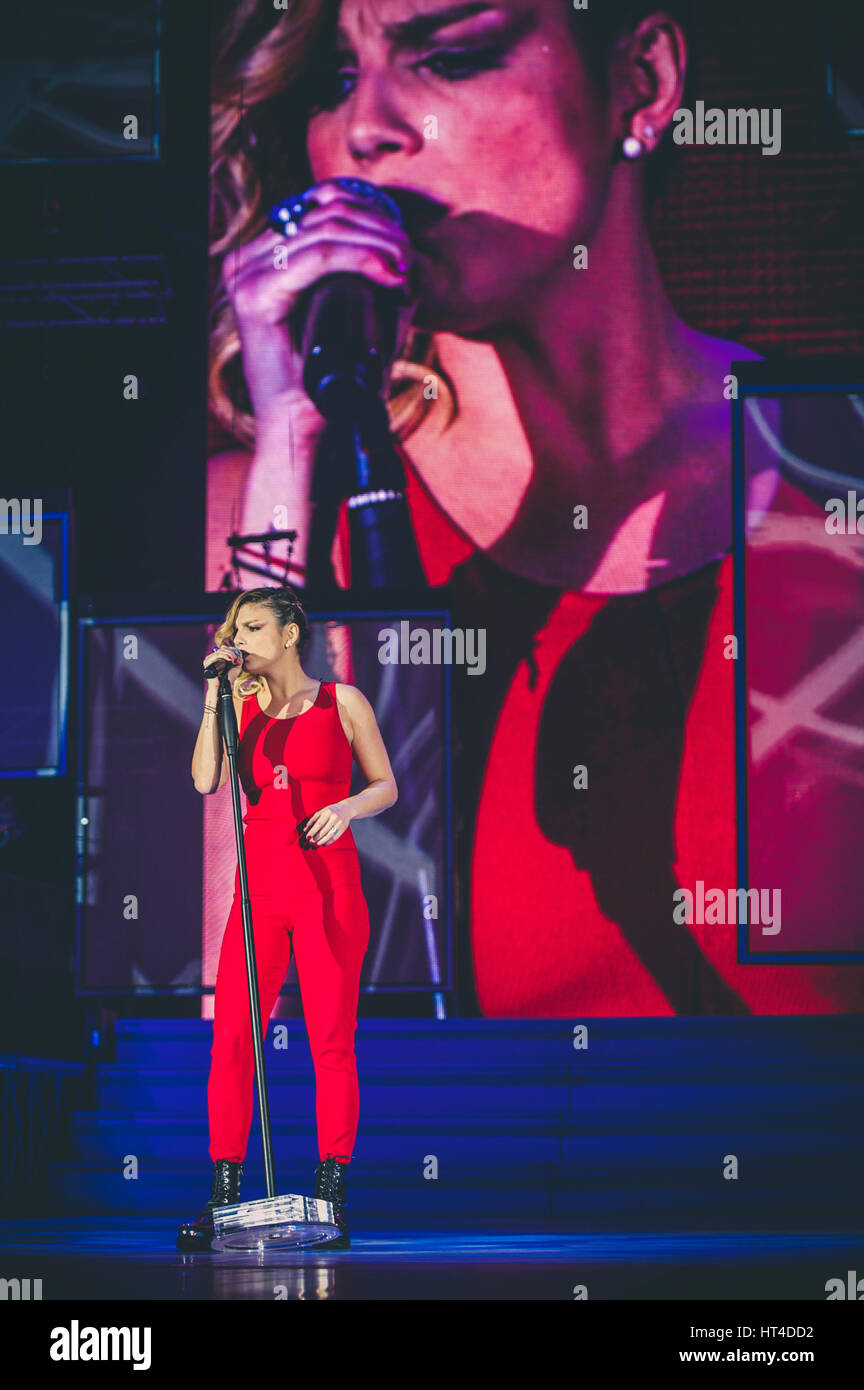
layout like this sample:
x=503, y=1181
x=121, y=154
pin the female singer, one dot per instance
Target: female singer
x=296, y=740
x=566, y=443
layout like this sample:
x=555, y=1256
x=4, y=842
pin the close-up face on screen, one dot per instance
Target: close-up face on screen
x=576, y=228
x=434, y=533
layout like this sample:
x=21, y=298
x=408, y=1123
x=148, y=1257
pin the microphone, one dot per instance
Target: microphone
x=345, y=326
x=214, y=669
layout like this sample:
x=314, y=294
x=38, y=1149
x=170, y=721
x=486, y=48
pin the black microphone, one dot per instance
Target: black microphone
x=217, y=669
x=345, y=327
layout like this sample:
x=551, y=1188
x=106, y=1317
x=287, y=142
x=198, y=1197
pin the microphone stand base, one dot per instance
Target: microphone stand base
x=273, y=1224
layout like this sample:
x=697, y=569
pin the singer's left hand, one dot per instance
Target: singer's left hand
x=326, y=825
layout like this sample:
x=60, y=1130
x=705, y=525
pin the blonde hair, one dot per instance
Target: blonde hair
x=286, y=608
x=261, y=62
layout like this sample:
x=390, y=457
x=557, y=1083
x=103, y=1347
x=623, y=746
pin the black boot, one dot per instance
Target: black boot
x=330, y=1187
x=197, y=1235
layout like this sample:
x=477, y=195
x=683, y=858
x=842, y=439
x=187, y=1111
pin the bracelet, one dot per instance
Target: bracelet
x=212, y=709
x=364, y=499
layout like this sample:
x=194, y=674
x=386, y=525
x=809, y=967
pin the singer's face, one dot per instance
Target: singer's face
x=494, y=118
x=260, y=636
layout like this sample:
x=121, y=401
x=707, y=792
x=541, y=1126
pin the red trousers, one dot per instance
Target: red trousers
x=311, y=900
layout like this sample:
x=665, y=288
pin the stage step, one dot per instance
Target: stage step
x=633, y=1132
x=501, y=1088
x=788, y=1040
x=687, y=1195
x=106, y=1137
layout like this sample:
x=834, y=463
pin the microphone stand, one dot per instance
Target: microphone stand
x=229, y=728
x=383, y=547
x=347, y=329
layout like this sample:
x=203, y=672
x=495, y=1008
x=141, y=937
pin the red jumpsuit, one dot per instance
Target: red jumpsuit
x=313, y=898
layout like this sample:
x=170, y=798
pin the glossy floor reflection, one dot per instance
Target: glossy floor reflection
x=122, y=1258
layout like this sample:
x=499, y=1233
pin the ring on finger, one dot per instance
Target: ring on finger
x=285, y=217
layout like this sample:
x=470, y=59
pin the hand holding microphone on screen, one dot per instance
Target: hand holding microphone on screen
x=341, y=227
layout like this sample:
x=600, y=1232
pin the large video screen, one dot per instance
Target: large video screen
x=584, y=220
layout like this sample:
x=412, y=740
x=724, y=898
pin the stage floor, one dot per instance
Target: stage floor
x=102, y=1258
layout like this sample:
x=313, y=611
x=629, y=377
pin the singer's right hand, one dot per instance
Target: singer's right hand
x=220, y=654
x=342, y=232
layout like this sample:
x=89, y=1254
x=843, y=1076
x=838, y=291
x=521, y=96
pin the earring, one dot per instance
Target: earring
x=632, y=147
